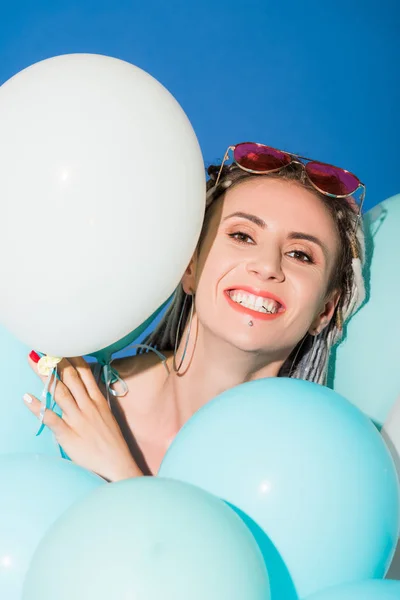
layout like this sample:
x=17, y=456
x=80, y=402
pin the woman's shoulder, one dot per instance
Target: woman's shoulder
x=143, y=373
x=139, y=364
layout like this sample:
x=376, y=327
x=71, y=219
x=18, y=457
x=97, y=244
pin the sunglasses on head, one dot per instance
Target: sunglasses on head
x=327, y=179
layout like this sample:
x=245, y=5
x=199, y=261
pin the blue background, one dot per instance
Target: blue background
x=319, y=78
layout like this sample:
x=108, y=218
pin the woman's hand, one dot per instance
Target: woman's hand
x=87, y=430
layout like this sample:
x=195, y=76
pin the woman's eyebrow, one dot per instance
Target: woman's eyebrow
x=253, y=218
x=299, y=235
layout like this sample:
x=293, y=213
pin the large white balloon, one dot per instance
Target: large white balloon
x=102, y=197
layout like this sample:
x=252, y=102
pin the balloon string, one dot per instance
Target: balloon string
x=47, y=397
x=48, y=401
x=110, y=376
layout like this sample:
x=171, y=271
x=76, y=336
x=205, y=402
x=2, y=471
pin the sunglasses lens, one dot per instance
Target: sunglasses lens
x=259, y=158
x=332, y=180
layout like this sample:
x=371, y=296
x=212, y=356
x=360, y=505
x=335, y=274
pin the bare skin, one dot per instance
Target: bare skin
x=223, y=350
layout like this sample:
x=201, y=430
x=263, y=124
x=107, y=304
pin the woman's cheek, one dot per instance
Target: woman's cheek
x=306, y=295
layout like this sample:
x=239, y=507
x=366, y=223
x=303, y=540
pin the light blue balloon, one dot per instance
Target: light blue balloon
x=34, y=491
x=366, y=364
x=18, y=426
x=378, y=589
x=148, y=539
x=307, y=471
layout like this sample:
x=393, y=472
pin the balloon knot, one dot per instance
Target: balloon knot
x=47, y=364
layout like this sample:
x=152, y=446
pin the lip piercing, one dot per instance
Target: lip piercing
x=250, y=323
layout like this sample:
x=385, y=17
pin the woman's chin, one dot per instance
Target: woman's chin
x=249, y=341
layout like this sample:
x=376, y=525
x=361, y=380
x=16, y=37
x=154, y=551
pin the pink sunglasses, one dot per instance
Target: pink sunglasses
x=327, y=179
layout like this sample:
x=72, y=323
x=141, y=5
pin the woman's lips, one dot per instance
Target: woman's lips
x=257, y=292
x=254, y=314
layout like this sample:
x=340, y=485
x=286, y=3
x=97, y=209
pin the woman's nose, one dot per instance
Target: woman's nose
x=267, y=265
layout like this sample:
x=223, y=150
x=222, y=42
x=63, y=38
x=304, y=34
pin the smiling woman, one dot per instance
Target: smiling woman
x=289, y=235
x=276, y=272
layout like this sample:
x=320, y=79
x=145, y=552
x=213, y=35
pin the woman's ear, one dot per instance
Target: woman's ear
x=324, y=317
x=189, y=277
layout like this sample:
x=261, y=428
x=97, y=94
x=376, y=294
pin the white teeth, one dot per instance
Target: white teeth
x=257, y=303
x=270, y=306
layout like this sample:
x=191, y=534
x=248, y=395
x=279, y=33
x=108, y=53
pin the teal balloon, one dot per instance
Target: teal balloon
x=365, y=366
x=105, y=355
x=18, y=426
x=35, y=491
x=148, y=539
x=378, y=589
x=308, y=473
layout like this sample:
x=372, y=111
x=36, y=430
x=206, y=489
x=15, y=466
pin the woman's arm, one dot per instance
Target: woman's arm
x=87, y=430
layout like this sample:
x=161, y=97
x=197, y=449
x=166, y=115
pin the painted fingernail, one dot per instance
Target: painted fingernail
x=27, y=398
x=34, y=356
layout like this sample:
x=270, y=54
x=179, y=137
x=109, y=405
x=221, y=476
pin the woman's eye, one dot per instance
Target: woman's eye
x=301, y=256
x=242, y=238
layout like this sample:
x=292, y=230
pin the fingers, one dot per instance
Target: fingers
x=77, y=387
x=62, y=396
x=72, y=380
x=86, y=375
x=50, y=419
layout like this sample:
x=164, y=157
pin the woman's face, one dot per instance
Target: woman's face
x=267, y=258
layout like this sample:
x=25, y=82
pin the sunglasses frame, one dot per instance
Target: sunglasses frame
x=296, y=158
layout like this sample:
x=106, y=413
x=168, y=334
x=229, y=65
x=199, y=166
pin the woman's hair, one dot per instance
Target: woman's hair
x=309, y=359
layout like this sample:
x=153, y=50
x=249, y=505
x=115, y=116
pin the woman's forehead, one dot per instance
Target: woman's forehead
x=279, y=200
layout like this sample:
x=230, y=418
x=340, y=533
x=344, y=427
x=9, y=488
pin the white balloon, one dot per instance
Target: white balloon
x=102, y=198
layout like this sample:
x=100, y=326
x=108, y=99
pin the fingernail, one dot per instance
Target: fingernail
x=34, y=356
x=27, y=398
